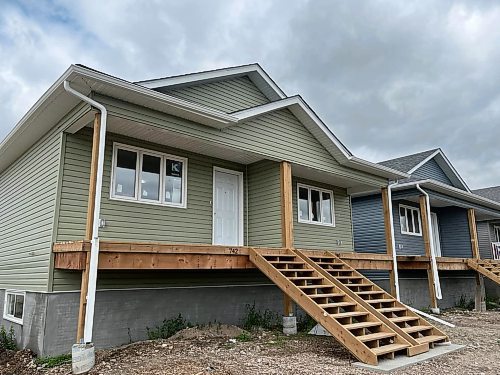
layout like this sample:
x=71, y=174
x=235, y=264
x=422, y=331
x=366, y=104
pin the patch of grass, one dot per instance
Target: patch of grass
x=267, y=319
x=49, y=362
x=244, y=337
x=465, y=304
x=7, y=339
x=168, y=328
x=492, y=303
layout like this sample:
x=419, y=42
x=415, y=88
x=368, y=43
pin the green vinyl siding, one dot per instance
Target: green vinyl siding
x=28, y=190
x=264, y=211
x=227, y=96
x=276, y=136
x=322, y=237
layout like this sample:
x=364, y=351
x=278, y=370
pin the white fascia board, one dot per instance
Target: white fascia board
x=448, y=164
x=204, y=112
x=213, y=75
x=450, y=190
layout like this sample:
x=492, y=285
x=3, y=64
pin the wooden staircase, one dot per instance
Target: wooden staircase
x=340, y=312
x=488, y=268
x=385, y=307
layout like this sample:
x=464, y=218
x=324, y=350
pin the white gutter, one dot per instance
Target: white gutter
x=94, y=252
x=429, y=316
x=393, y=241
x=435, y=275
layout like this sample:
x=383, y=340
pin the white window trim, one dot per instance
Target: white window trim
x=495, y=229
x=309, y=187
x=140, y=152
x=10, y=317
x=406, y=218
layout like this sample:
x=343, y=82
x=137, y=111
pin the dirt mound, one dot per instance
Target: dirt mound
x=17, y=363
x=208, y=331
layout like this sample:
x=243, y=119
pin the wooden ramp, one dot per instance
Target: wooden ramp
x=358, y=328
x=488, y=268
x=381, y=304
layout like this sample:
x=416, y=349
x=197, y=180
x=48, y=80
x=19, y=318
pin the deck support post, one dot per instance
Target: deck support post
x=427, y=245
x=286, y=222
x=88, y=227
x=388, y=237
x=480, y=301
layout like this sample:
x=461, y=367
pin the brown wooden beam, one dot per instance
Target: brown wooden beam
x=286, y=221
x=427, y=246
x=471, y=216
x=388, y=236
x=88, y=226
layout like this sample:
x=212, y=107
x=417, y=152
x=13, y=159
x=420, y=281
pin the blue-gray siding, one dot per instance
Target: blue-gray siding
x=368, y=222
x=485, y=236
x=454, y=232
x=406, y=244
x=432, y=170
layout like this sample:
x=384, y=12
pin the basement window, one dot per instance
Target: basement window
x=14, y=306
x=409, y=218
x=315, y=205
x=148, y=177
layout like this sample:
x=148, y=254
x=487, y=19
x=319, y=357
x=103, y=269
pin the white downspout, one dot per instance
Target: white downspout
x=435, y=276
x=393, y=241
x=94, y=252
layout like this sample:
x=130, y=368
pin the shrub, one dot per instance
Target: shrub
x=49, y=362
x=266, y=319
x=244, y=337
x=305, y=323
x=465, y=304
x=168, y=328
x=7, y=339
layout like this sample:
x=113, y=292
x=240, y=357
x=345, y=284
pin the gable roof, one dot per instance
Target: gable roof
x=56, y=103
x=411, y=163
x=491, y=193
x=254, y=71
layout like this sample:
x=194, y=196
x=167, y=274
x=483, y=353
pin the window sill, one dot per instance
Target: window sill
x=316, y=223
x=13, y=319
x=152, y=203
x=412, y=234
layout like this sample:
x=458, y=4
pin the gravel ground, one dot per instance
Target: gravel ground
x=213, y=352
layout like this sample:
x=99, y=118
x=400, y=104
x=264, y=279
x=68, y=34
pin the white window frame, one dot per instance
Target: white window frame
x=309, y=188
x=9, y=317
x=140, y=153
x=406, y=218
x=496, y=232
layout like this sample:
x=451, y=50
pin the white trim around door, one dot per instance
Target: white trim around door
x=240, y=206
x=435, y=234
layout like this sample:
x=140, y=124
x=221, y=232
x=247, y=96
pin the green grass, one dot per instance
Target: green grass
x=7, y=339
x=244, y=337
x=267, y=319
x=168, y=328
x=49, y=362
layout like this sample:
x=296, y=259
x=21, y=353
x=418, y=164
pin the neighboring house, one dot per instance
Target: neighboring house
x=192, y=159
x=453, y=208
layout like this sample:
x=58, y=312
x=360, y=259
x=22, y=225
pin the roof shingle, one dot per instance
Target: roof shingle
x=408, y=162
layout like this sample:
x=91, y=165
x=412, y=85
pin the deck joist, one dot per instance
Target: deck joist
x=116, y=255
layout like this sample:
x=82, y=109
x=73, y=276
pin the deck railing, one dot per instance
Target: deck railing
x=495, y=250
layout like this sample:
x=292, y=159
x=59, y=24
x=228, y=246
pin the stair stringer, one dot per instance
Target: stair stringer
x=416, y=347
x=490, y=274
x=341, y=334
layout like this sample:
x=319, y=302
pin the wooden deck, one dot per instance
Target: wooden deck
x=116, y=255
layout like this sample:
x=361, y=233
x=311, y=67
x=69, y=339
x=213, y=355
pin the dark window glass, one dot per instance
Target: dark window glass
x=315, y=205
x=326, y=208
x=150, y=177
x=303, y=204
x=415, y=221
x=173, y=181
x=125, y=172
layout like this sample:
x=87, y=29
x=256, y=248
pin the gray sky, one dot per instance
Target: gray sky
x=389, y=77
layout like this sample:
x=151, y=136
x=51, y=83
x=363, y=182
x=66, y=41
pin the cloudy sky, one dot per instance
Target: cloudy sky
x=388, y=77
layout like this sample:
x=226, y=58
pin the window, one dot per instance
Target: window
x=14, y=306
x=148, y=177
x=409, y=218
x=315, y=206
x=497, y=233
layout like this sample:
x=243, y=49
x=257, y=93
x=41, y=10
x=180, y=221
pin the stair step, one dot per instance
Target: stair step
x=416, y=329
x=326, y=295
x=388, y=349
x=381, y=300
x=308, y=270
x=362, y=325
x=349, y=314
x=279, y=255
x=376, y=336
x=285, y=262
x=337, y=304
x=350, y=277
x=355, y=284
x=306, y=278
x=399, y=319
x=391, y=309
x=318, y=286
x=368, y=292
x=431, y=338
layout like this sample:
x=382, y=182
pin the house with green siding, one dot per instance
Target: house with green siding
x=192, y=159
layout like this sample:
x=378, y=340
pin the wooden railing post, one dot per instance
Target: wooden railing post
x=427, y=245
x=286, y=220
x=88, y=227
x=480, y=301
x=388, y=236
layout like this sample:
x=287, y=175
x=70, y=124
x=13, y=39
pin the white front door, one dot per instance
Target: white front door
x=435, y=235
x=227, y=207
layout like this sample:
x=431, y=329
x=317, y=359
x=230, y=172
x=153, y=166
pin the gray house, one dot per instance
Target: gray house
x=434, y=214
x=196, y=169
